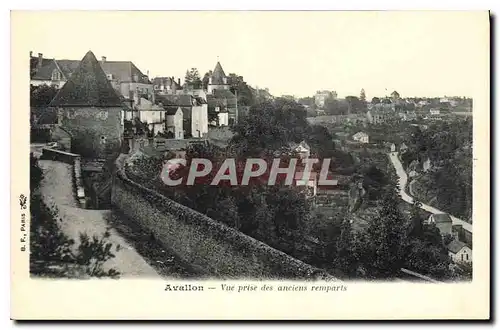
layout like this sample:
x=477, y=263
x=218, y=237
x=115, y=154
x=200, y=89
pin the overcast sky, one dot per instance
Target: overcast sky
x=297, y=53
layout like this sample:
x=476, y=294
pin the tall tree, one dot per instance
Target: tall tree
x=192, y=78
x=239, y=87
x=270, y=126
x=386, y=236
x=346, y=255
x=206, y=80
x=362, y=95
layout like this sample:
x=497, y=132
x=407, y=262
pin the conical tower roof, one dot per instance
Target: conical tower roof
x=218, y=75
x=88, y=86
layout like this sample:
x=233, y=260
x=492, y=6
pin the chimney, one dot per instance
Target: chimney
x=31, y=53
x=179, y=81
x=103, y=59
x=40, y=60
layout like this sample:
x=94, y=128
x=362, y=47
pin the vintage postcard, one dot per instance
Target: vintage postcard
x=271, y=165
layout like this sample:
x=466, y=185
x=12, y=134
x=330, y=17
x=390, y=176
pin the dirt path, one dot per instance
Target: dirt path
x=56, y=189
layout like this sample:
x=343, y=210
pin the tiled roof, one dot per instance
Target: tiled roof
x=34, y=70
x=124, y=71
x=171, y=111
x=166, y=81
x=68, y=67
x=88, y=86
x=120, y=70
x=45, y=72
x=455, y=246
x=218, y=75
x=224, y=93
x=182, y=100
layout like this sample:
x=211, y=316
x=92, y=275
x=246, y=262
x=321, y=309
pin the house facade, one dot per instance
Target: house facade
x=302, y=149
x=321, y=97
x=361, y=137
x=166, y=85
x=195, y=112
x=151, y=114
x=90, y=110
x=220, y=96
x=459, y=252
x=174, y=122
x=376, y=116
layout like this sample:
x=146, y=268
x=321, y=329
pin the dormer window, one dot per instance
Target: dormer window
x=56, y=75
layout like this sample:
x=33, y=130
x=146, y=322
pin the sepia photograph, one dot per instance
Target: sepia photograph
x=321, y=149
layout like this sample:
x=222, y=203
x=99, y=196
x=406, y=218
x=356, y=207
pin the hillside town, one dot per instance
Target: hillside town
x=398, y=205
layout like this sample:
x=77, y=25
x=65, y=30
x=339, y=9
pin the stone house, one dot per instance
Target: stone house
x=219, y=95
x=376, y=116
x=166, y=85
x=321, y=96
x=459, y=252
x=90, y=110
x=361, y=137
x=174, y=122
x=195, y=112
x=151, y=114
x=302, y=149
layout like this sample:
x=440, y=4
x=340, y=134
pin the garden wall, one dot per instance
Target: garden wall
x=207, y=245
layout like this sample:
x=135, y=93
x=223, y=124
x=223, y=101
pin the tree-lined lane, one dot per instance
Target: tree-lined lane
x=403, y=180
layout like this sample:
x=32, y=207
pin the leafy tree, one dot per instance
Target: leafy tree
x=335, y=107
x=416, y=221
x=386, y=235
x=427, y=258
x=309, y=101
x=346, y=255
x=193, y=79
x=41, y=96
x=270, y=126
x=355, y=105
x=362, y=96
x=375, y=100
x=240, y=88
x=206, y=79
x=321, y=141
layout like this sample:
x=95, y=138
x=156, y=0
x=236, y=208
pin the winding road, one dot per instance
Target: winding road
x=403, y=180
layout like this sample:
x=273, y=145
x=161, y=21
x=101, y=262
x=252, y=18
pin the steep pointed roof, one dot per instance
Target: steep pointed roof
x=87, y=86
x=218, y=75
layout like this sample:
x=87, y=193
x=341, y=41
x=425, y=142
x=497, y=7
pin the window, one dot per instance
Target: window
x=466, y=257
x=109, y=76
x=56, y=75
x=103, y=139
x=462, y=257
